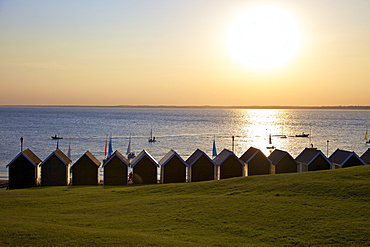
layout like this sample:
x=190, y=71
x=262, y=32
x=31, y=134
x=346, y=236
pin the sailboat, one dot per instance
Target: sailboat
x=270, y=142
x=130, y=155
x=367, y=136
x=151, y=137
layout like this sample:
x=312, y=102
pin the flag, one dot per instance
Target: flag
x=110, y=148
x=214, y=152
x=105, y=145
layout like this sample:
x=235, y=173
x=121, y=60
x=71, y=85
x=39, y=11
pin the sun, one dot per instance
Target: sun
x=264, y=37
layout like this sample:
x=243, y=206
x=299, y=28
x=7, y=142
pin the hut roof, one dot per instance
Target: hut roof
x=250, y=153
x=141, y=155
x=366, y=156
x=224, y=155
x=29, y=155
x=340, y=157
x=60, y=155
x=308, y=155
x=119, y=156
x=196, y=156
x=91, y=157
x=277, y=155
x=170, y=155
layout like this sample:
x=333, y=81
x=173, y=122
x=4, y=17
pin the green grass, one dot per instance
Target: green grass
x=326, y=208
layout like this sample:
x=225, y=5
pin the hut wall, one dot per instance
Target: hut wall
x=85, y=172
x=145, y=172
x=230, y=168
x=54, y=172
x=259, y=165
x=174, y=171
x=319, y=164
x=286, y=165
x=115, y=172
x=22, y=174
x=203, y=169
x=353, y=161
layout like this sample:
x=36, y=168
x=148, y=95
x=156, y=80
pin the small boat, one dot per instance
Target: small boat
x=302, y=135
x=270, y=142
x=130, y=155
x=56, y=137
x=367, y=136
x=151, y=137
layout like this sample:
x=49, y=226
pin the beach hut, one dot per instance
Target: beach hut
x=115, y=169
x=85, y=171
x=366, y=156
x=257, y=163
x=311, y=159
x=55, y=169
x=342, y=159
x=283, y=162
x=229, y=165
x=173, y=168
x=24, y=170
x=145, y=169
x=200, y=167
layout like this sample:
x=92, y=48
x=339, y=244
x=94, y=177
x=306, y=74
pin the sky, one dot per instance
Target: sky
x=161, y=52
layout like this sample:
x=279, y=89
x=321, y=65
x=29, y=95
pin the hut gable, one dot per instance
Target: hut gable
x=201, y=167
x=145, y=169
x=173, y=168
x=341, y=159
x=115, y=169
x=229, y=165
x=257, y=162
x=24, y=170
x=283, y=161
x=55, y=169
x=85, y=170
x=366, y=156
x=311, y=159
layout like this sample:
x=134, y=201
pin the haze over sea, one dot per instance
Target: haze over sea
x=181, y=129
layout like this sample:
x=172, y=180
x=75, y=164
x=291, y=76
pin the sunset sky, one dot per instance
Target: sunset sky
x=162, y=52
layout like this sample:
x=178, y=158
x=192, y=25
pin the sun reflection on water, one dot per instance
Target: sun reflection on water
x=258, y=125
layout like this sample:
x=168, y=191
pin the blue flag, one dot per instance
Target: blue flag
x=110, y=148
x=214, y=152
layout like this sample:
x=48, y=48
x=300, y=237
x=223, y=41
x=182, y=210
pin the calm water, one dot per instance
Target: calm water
x=183, y=130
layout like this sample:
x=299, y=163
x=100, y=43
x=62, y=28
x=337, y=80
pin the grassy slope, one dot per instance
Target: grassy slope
x=314, y=208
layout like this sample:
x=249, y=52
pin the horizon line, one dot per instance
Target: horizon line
x=203, y=106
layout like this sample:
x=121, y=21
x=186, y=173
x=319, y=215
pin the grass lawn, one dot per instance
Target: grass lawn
x=324, y=208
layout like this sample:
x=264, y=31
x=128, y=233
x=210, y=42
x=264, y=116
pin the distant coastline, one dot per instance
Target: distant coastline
x=339, y=107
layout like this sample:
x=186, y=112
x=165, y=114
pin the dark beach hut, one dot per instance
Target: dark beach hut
x=341, y=159
x=85, y=171
x=145, y=169
x=366, y=156
x=230, y=165
x=115, y=169
x=173, y=168
x=55, y=169
x=201, y=167
x=257, y=163
x=283, y=162
x=311, y=159
x=24, y=170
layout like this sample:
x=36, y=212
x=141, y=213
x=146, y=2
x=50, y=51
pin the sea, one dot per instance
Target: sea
x=182, y=129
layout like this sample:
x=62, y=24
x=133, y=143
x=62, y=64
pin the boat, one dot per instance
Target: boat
x=302, y=135
x=151, y=137
x=367, y=136
x=270, y=142
x=56, y=137
x=130, y=155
